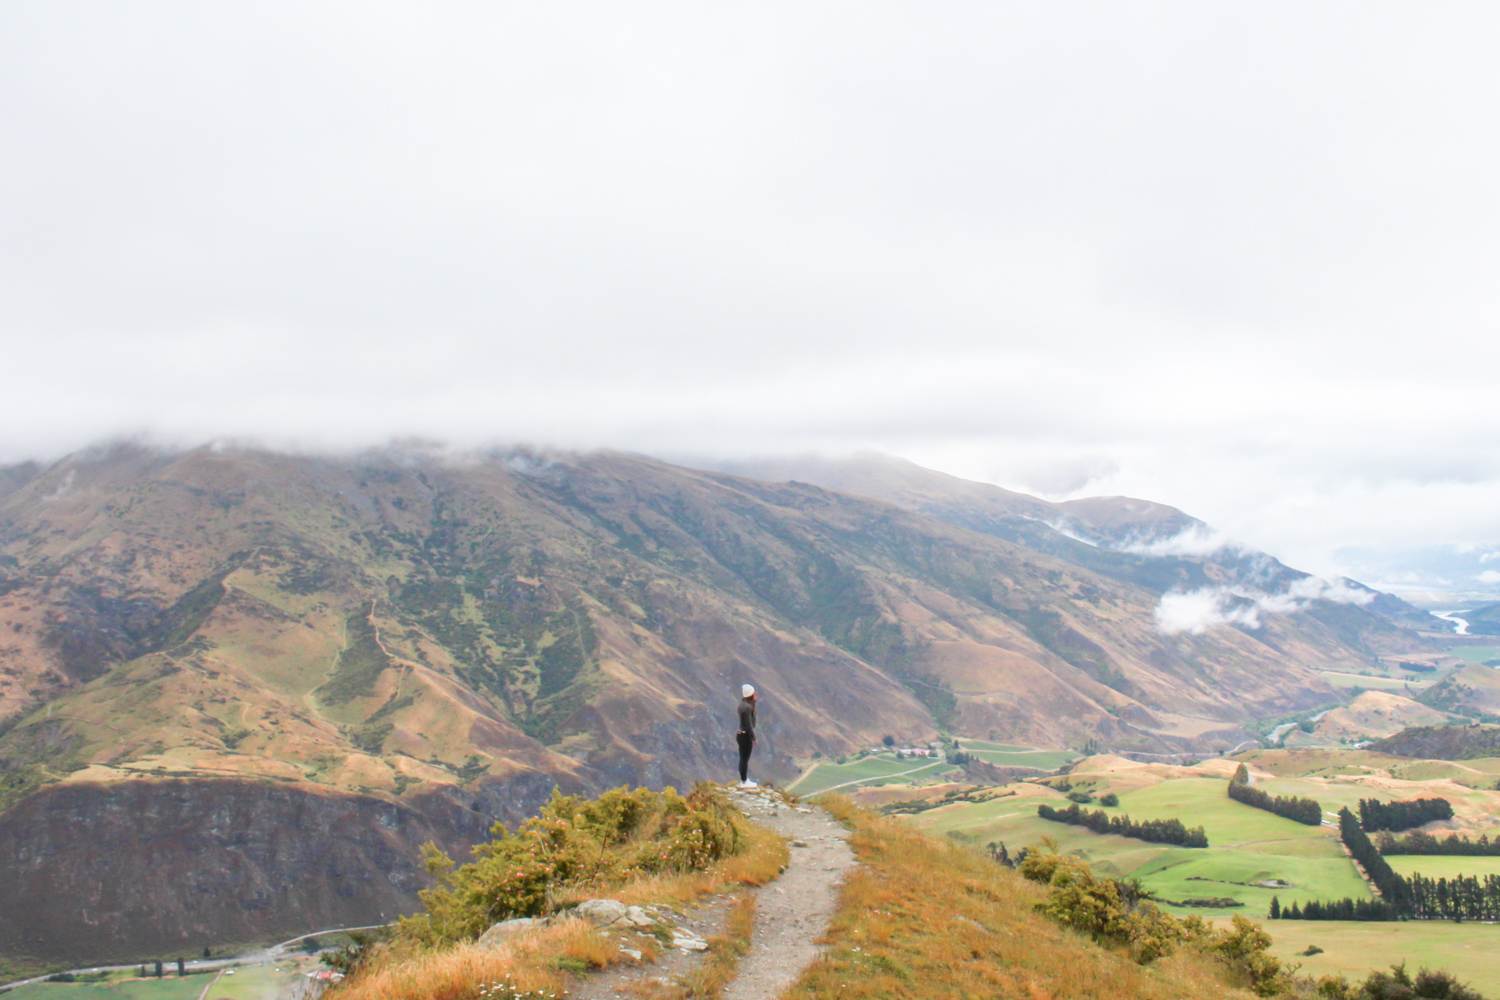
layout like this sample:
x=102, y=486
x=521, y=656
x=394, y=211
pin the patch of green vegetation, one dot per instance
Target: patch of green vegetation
x=567, y=656
x=187, y=614
x=359, y=665
x=1475, y=654
x=165, y=988
x=370, y=736
x=474, y=766
x=1048, y=628
x=875, y=769
x=393, y=705
x=1353, y=948
x=1247, y=846
x=35, y=754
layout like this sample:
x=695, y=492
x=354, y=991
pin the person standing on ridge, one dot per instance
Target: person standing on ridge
x=746, y=734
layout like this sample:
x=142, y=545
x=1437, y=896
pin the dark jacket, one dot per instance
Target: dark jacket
x=747, y=717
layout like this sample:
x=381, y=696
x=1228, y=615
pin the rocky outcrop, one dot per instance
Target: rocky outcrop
x=145, y=868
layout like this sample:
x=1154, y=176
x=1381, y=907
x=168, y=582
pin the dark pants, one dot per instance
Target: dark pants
x=747, y=743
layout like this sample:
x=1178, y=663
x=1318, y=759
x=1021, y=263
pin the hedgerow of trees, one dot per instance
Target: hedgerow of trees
x=1461, y=897
x=1376, y=815
x=1418, y=842
x=1157, y=831
x=1120, y=912
x=1302, y=810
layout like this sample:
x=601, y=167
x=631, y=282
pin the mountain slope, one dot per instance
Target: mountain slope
x=1139, y=542
x=460, y=635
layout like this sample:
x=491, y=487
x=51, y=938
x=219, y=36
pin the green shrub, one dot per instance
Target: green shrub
x=1245, y=948
x=570, y=842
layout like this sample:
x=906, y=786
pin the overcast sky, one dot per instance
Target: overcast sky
x=1240, y=258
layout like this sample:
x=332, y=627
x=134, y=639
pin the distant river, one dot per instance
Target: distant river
x=1460, y=626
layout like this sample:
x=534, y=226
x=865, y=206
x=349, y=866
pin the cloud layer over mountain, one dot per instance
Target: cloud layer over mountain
x=1237, y=260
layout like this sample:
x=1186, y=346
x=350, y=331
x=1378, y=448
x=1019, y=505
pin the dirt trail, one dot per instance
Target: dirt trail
x=791, y=913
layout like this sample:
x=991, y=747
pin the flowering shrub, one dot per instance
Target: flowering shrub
x=572, y=841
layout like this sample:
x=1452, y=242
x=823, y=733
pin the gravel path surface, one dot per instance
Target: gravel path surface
x=792, y=912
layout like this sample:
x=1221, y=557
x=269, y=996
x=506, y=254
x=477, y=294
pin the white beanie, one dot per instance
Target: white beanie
x=746, y=690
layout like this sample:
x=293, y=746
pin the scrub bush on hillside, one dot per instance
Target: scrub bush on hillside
x=571, y=842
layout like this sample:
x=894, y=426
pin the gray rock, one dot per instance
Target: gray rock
x=601, y=912
x=499, y=933
x=688, y=941
x=637, y=917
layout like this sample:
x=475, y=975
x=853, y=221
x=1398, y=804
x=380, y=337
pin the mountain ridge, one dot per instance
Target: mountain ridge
x=481, y=628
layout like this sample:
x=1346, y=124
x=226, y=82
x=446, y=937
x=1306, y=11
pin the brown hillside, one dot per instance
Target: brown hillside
x=398, y=624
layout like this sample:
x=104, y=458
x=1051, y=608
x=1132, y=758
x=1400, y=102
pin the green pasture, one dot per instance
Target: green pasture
x=1475, y=654
x=1373, y=682
x=877, y=769
x=166, y=988
x=1356, y=948
x=1246, y=845
x=1444, y=865
x=258, y=982
x=1042, y=760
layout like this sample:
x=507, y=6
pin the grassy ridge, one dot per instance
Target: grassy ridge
x=894, y=937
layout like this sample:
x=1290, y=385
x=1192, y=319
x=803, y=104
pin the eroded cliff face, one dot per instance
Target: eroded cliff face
x=134, y=869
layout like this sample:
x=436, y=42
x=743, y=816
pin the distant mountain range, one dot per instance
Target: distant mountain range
x=204, y=652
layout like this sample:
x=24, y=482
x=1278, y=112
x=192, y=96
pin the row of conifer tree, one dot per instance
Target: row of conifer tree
x=1292, y=807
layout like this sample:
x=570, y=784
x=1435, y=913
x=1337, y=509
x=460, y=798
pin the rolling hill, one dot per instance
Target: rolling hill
x=413, y=645
x=1483, y=620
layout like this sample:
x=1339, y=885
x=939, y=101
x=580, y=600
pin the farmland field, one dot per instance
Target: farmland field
x=876, y=769
x=886, y=768
x=1443, y=865
x=1371, y=682
x=1476, y=654
x=1246, y=845
x=1291, y=861
x=166, y=988
x=1354, y=948
x=1009, y=755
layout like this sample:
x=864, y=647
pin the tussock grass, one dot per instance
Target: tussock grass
x=709, y=978
x=532, y=963
x=762, y=858
x=924, y=919
x=410, y=968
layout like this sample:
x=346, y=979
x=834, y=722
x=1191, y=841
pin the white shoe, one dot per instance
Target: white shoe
x=747, y=783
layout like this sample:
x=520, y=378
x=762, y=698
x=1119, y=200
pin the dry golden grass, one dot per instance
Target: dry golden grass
x=536, y=960
x=709, y=978
x=763, y=858
x=531, y=962
x=923, y=919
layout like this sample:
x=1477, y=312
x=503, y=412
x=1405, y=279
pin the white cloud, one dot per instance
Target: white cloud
x=1489, y=576
x=1197, y=611
x=778, y=229
x=1198, y=540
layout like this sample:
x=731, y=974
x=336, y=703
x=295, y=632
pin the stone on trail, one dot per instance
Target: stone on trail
x=688, y=941
x=602, y=912
x=637, y=917
x=499, y=933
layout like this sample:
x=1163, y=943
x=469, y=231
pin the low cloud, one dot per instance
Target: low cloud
x=1198, y=540
x=1489, y=576
x=1196, y=611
